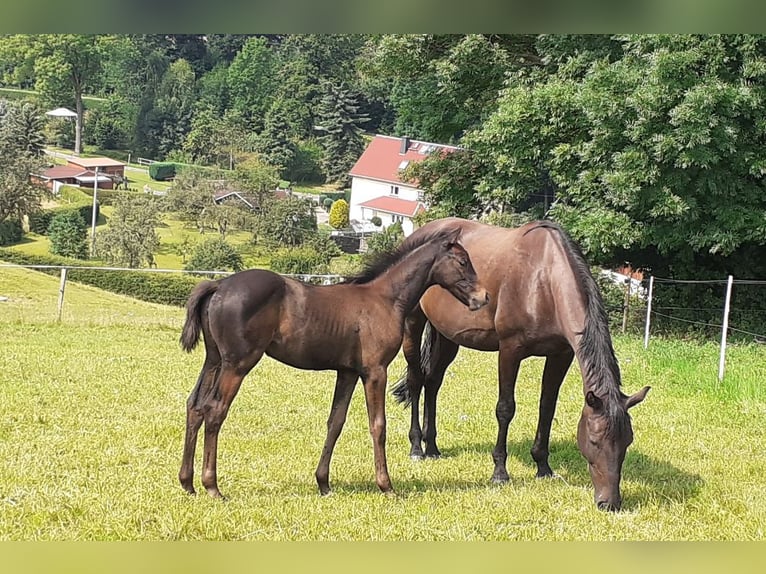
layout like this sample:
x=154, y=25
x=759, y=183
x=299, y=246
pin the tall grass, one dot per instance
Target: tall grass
x=92, y=420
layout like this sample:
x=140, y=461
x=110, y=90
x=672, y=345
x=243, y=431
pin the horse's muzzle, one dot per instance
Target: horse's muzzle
x=478, y=300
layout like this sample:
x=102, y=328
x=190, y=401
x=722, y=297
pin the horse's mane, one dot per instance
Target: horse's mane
x=384, y=260
x=603, y=371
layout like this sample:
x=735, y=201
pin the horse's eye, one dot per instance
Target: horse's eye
x=463, y=263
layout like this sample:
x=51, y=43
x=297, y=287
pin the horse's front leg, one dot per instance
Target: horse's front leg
x=344, y=389
x=556, y=367
x=375, y=397
x=508, y=370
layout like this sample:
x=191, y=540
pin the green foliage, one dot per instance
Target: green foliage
x=298, y=260
x=40, y=221
x=327, y=204
x=339, y=214
x=10, y=232
x=376, y=221
x=251, y=80
x=131, y=239
x=306, y=165
x=215, y=255
x=384, y=241
x=340, y=122
x=152, y=287
x=162, y=171
x=67, y=232
x=287, y=222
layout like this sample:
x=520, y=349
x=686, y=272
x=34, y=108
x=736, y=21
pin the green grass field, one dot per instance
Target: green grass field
x=92, y=427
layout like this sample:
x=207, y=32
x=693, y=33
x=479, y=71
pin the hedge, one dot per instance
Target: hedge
x=152, y=287
x=10, y=232
x=41, y=220
x=162, y=170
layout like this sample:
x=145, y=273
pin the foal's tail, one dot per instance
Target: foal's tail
x=401, y=389
x=193, y=325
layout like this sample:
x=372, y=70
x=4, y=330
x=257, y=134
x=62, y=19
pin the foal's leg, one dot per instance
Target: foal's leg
x=344, y=389
x=228, y=385
x=194, y=418
x=556, y=367
x=413, y=333
x=444, y=352
x=508, y=369
x=375, y=397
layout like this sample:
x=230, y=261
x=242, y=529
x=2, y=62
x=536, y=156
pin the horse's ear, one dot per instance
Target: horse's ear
x=453, y=237
x=633, y=400
x=594, y=401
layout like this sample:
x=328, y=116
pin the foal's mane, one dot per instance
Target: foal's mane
x=601, y=366
x=384, y=260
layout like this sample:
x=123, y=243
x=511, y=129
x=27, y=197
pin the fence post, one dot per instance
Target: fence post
x=725, y=328
x=626, y=305
x=648, y=312
x=62, y=286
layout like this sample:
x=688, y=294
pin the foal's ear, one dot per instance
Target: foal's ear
x=633, y=400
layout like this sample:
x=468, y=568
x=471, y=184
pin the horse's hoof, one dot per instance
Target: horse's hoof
x=436, y=456
x=390, y=494
x=545, y=474
x=417, y=457
x=500, y=479
x=325, y=493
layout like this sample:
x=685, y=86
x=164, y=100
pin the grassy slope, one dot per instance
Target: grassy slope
x=93, y=416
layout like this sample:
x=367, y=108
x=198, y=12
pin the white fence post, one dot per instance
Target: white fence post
x=648, y=312
x=727, y=303
x=62, y=286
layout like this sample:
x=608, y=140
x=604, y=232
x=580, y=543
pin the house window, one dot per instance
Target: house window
x=399, y=218
x=394, y=190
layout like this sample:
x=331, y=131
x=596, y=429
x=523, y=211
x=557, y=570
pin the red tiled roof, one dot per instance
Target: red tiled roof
x=63, y=172
x=382, y=160
x=395, y=205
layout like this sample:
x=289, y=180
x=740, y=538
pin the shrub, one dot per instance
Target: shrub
x=339, y=214
x=298, y=260
x=40, y=221
x=384, y=241
x=327, y=203
x=153, y=287
x=215, y=255
x=68, y=236
x=376, y=221
x=162, y=170
x=10, y=232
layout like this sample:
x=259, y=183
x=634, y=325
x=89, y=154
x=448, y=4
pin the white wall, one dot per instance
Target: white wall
x=363, y=190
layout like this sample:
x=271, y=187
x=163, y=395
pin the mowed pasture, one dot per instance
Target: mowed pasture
x=91, y=428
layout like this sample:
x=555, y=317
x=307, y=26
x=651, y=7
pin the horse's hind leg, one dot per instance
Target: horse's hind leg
x=344, y=389
x=194, y=418
x=556, y=367
x=216, y=409
x=443, y=353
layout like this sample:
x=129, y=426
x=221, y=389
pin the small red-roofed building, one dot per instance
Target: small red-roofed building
x=376, y=187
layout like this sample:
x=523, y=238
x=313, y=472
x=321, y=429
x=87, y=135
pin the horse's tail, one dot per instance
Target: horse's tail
x=596, y=342
x=193, y=324
x=401, y=389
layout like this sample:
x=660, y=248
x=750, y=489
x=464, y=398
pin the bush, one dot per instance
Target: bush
x=339, y=214
x=153, y=287
x=376, y=221
x=10, y=232
x=327, y=203
x=68, y=236
x=299, y=260
x=40, y=221
x=215, y=255
x=162, y=170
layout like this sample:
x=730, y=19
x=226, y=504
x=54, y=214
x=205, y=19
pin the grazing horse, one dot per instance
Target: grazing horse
x=544, y=302
x=254, y=312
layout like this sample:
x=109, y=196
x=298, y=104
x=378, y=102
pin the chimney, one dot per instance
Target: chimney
x=405, y=145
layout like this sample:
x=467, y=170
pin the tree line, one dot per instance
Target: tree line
x=649, y=149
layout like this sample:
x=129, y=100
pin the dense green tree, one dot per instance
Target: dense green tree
x=215, y=255
x=341, y=132
x=286, y=222
x=130, y=240
x=251, y=79
x=273, y=143
x=68, y=235
x=22, y=128
x=171, y=116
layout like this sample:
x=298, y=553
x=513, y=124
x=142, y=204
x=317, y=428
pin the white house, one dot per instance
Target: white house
x=376, y=189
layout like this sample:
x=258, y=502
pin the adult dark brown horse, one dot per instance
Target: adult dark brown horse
x=543, y=301
x=254, y=312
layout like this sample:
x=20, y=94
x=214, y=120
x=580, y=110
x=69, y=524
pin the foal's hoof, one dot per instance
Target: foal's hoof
x=436, y=456
x=417, y=456
x=500, y=479
x=391, y=494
